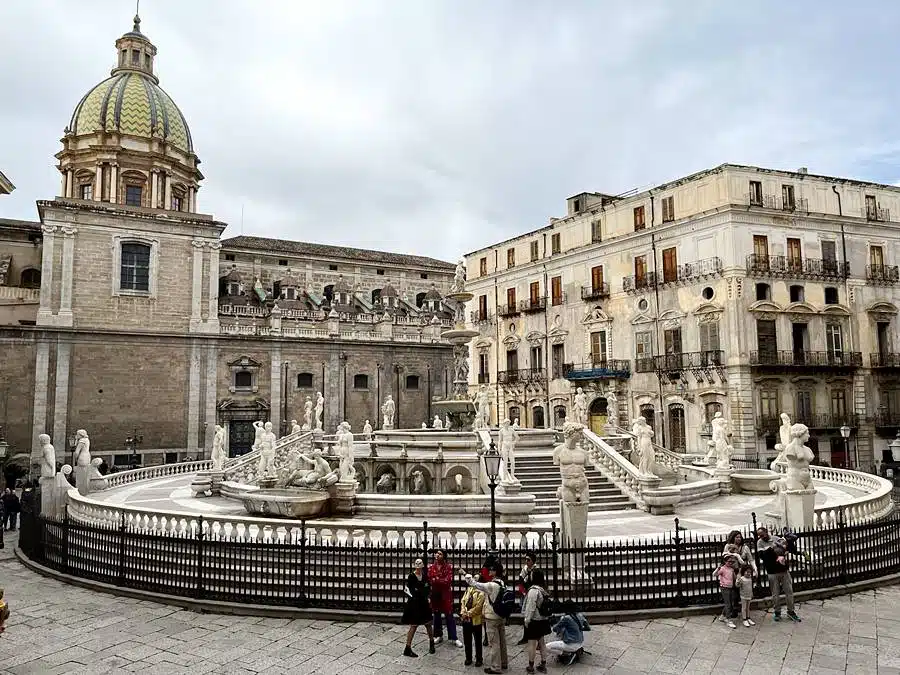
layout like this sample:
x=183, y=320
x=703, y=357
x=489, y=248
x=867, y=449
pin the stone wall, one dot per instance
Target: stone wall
x=17, y=355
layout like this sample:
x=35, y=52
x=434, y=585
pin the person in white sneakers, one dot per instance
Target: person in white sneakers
x=726, y=574
x=745, y=588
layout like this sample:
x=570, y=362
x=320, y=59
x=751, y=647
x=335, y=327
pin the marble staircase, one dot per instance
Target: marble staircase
x=541, y=478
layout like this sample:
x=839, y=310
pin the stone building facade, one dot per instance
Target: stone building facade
x=124, y=312
x=737, y=289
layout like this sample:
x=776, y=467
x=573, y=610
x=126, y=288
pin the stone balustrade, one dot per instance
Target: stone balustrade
x=161, y=471
x=19, y=294
x=623, y=474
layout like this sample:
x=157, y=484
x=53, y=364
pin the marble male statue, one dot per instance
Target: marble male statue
x=387, y=411
x=266, y=449
x=344, y=438
x=581, y=407
x=82, y=458
x=508, y=438
x=307, y=414
x=320, y=476
x=571, y=460
x=218, y=448
x=320, y=406
x=367, y=431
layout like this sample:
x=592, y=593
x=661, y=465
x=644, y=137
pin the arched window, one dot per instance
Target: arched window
x=710, y=410
x=559, y=415
x=763, y=291
x=514, y=414
x=412, y=381
x=243, y=379
x=304, y=380
x=135, y=267
x=376, y=296
x=361, y=381
x=31, y=278
x=677, y=438
x=537, y=417
x=328, y=292
x=649, y=414
x=420, y=299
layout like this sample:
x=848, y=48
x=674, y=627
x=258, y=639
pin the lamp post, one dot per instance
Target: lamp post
x=845, y=432
x=492, y=468
x=131, y=442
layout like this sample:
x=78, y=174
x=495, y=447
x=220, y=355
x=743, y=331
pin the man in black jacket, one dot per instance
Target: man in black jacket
x=773, y=553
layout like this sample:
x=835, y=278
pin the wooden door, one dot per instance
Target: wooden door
x=794, y=253
x=597, y=278
x=241, y=435
x=534, y=292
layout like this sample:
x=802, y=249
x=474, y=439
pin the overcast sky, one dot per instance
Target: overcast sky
x=437, y=127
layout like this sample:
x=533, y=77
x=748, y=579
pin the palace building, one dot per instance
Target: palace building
x=124, y=312
x=738, y=289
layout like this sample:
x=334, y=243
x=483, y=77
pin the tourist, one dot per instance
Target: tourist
x=774, y=556
x=471, y=613
x=494, y=624
x=736, y=539
x=417, y=613
x=4, y=612
x=536, y=615
x=11, y=509
x=569, y=628
x=440, y=575
x=745, y=590
x=525, y=582
x=726, y=574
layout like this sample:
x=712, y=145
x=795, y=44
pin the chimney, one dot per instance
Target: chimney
x=803, y=170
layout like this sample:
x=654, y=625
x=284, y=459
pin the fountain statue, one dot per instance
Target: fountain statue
x=387, y=412
x=320, y=406
x=82, y=458
x=437, y=424
x=218, y=448
x=581, y=407
x=344, y=438
x=367, y=431
x=295, y=428
x=574, y=494
x=265, y=443
x=508, y=438
x=482, y=403
x=317, y=478
x=612, y=409
x=307, y=414
x=48, y=474
x=795, y=493
x=643, y=442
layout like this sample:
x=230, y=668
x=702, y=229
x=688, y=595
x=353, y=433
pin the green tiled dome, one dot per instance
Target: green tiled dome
x=131, y=103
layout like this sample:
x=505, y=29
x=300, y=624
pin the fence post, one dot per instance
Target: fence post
x=302, y=589
x=554, y=543
x=199, y=587
x=121, y=548
x=842, y=533
x=425, y=543
x=65, y=542
x=679, y=593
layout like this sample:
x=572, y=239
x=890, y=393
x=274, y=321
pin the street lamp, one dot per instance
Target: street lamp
x=492, y=468
x=131, y=442
x=845, y=432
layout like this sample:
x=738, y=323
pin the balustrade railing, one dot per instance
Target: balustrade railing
x=480, y=317
x=507, y=310
x=885, y=275
x=884, y=360
x=788, y=267
x=533, y=305
x=522, y=376
x=692, y=271
x=595, y=292
x=639, y=282
x=620, y=368
x=713, y=358
x=801, y=359
x=877, y=213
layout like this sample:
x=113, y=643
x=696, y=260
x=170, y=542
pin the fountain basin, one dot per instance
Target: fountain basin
x=753, y=481
x=285, y=503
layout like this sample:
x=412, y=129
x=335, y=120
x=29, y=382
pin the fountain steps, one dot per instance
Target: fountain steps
x=540, y=477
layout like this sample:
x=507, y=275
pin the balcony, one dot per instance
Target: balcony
x=885, y=360
x=882, y=275
x=817, y=421
x=557, y=300
x=887, y=423
x=597, y=292
x=792, y=205
x=877, y=214
x=694, y=271
x=533, y=305
x=484, y=378
x=596, y=370
x=779, y=266
x=507, y=310
x=478, y=317
x=522, y=376
x=671, y=363
x=639, y=283
x=806, y=359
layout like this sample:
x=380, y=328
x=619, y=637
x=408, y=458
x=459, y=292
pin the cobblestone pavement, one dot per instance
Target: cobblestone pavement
x=57, y=628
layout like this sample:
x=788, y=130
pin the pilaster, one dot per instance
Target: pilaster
x=194, y=399
x=45, y=309
x=61, y=396
x=167, y=204
x=64, y=316
x=39, y=409
x=114, y=184
x=212, y=319
x=275, y=401
x=154, y=188
x=212, y=355
x=197, y=284
x=98, y=182
x=740, y=403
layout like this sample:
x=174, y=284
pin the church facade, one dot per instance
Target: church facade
x=123, y=311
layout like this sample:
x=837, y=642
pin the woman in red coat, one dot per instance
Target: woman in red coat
x=440, y=574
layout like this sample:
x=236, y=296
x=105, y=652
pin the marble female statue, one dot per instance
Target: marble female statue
x=266, y=439
x=307, y=414
x=82, y=458
x=437, y=424
x=446, y=420
x=643, y=436
x=798, y=457
x=571, y=459
x=48, y=457
x=459, y=277
x=508, y=439
x=257, y=438
x=482, y=408
x=344, y=438
x=612, y=408
x=218, y=448
x=784, y=435
x=320, y=406
x=720, y=441
x=98, y=480
x=387, y=411
x=367, y=431
x=581, y=407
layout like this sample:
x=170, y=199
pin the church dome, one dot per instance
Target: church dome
x=132, y=103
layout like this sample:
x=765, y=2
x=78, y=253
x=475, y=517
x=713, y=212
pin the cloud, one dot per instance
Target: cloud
x=439, y=127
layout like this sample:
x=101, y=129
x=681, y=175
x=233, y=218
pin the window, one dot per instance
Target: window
x=304, y=380
x=643, y=348
x=804, y=409
x=766, y=340
x=796, y=293
x=512, y=359
x=135, y=267
x=482, y=266
x=376, y=296
x=243, y=379
x=290, y=293
x=829, y=257
x=709, y=343
x=668, y=209
x=708, y=293
x=710, y=410
x=534, y=251
x=871, y=207
x=639, y=222
x=768, y=404
x=876, y=257
x=794, y=254
x=423, y=275
x=598, y=346
x=176, y=203
x=234, y=288
x=677, y=435
x=558, y=354
x=510, y=257
x=420, y=299
x=597, y=279
x=534, y=293
x=834, y=341
x=333, y=268
x=379, y=272
x=761, y=248
x=576, y=205
x=839, y=404
x=283, y=263
x=483, y=377
x=147, y=61
x=640, y=271
x=555, y=245
x=537, y=417
x=670, y=264
x=361, y=381
x=756, y=193
x=482, y=308
x=672, y=340
x=87, y=191
x=596, y=232
x=831, y=295
x=883, y=332
x=133, y=194
x=412, y=381
x=537, y=357
x=559, y=416
x=787, y=197
x=229, y=257
x=514, y=413
x=31, y=278
x=135, y=57
x=556, y=293
x=511, y=299
x=763, y=291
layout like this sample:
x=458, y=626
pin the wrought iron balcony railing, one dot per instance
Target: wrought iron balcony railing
x=795, y=268
x=886, y=420
x=638, y=283
x=556, y=300
x=533, y=304
x=878, y=214
x=594, y=370
x=796, y=204
x=882, y=274
x=507, y=310
x=595, y=292
x=806, y=359
x=692, y=271
x=885, y=360
x=771, y=424
x=477, y=317
x=522, y=376
x=683, y=361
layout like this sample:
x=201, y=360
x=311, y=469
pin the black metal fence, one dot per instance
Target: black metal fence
x=669, y=570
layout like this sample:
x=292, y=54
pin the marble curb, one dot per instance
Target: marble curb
x=352, y=616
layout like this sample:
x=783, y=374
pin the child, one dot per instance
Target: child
x=471, y=613
x=4, y=612
x=745, y=588
x=726, y=574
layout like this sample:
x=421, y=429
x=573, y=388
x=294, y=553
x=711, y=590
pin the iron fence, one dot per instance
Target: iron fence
x=669, y=570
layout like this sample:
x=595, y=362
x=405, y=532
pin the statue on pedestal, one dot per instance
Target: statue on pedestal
x=367, y=431
x=266, y=446
x=581, y=407
x=319, y=477
x=643, y=442
x=571, y=460
x=307, y=414
x=344, y=438
x=82, y=459
x=459, y=277
x=720, y=441
x=295, y=428
x=387, y=411
x=48, y=474
x=482, y=409
x=218, y=448
x=437, y=424
x=320, y=406
x=612, y=408
x=798, y=457
x=98, y=480
x=508, y=439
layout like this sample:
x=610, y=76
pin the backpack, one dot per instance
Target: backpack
x=546, y=606
x=505, y=604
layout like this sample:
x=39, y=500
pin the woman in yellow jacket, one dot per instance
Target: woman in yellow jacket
x=471, y=614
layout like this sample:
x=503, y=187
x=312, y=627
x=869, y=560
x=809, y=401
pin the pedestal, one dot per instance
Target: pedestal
x=723, y=475
x=799, y=509
x=318, y=435
x=343, y=497
x=513, y=505
x=83, y=479
x=208, y=483
x=48, y=496
x=573, y=535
